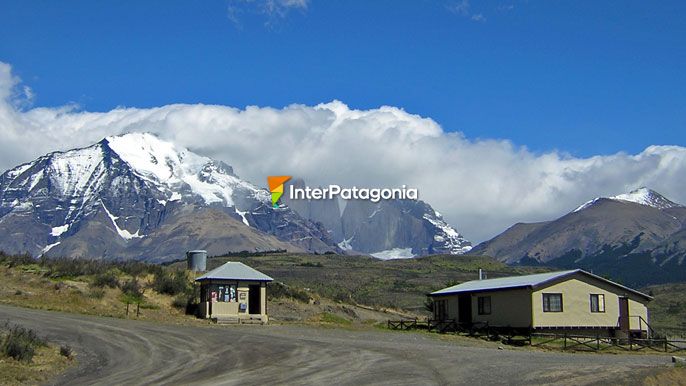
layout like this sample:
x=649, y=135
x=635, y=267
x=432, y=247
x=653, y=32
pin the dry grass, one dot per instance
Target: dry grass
x=26, y=287
x=46, y=364
x=673, y=376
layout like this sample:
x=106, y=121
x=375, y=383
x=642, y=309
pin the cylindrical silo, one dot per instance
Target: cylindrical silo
x=197, y=260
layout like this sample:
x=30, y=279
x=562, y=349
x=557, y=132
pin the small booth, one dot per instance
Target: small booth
x=234, y=293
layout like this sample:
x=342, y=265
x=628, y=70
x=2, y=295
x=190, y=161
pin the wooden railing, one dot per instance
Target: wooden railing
x=599, y=343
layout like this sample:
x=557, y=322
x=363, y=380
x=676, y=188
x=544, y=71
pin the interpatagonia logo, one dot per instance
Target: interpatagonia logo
x=336, y=191
x=276, y=187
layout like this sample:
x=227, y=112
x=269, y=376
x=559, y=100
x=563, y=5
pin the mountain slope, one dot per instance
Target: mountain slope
x=387, y=229
x=638, y=236
x=112, y=198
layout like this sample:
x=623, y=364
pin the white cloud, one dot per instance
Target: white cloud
x=272, y=10
x=481, y=186
x=464, y=8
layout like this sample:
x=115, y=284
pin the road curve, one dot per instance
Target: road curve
x=115, y=352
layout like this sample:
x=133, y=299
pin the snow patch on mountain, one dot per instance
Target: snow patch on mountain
x=346, y=244
x=454, y=241
x=49, y=247
x=645, y=196
x=642, y=196
x=58, y=231
x=123, y=233
x=395, y=253
x=169, y=169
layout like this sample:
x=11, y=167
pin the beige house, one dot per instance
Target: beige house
x=575, y=301
x=234, y=292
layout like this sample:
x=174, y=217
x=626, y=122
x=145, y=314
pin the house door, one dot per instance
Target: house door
x=624, y=314
x=464, y=309
x=254, y=300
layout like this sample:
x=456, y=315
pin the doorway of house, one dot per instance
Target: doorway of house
x=624, y=314
x=254, y=300
x=464, y=309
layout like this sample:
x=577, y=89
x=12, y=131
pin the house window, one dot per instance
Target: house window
x=484, y=305
x=597, y=303
x=440, y=309
x=552, y=302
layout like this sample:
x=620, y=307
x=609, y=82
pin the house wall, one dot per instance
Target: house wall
x=637, y=308
x=510, y=308
x=451, y=304
x=576, y=304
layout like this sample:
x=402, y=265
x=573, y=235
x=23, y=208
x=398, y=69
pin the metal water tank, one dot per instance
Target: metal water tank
x=197, y=260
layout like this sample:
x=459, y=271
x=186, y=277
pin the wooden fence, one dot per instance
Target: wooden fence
x=599, y=343
x=547, y=340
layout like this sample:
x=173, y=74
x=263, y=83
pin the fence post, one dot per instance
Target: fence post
x=565, y=344
x=597, y=342
x=127, y=308
x=138, y=309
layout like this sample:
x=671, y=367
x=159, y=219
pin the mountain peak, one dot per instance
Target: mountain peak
x=642, y=196
x=645, y=196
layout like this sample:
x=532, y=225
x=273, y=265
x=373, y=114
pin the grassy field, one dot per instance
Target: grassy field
x=668, y=309
x=396, y=284
x=353, y=289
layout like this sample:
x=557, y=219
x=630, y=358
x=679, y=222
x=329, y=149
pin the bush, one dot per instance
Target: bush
x=180, y=302
x=96, y=293
x=21, y=343
x=171, y=283
x=16, y=260
x=66, y=351
x=311, y=264
x=133, y=293
x=105, y=279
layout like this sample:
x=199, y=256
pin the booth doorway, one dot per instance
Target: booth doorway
x=254, y=300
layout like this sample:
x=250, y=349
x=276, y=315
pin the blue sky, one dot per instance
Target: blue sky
x=583, y=77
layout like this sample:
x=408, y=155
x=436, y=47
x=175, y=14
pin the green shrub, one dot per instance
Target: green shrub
x=21, y=343
x=171, y=283
x=133, y=293
x=16, y=260
x=311, y=264
x=180, y=302
x=66, y=351
x=105, y=279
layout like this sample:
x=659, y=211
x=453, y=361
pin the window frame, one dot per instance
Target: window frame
x=600, y=304
x=546, y=302
x=481, y=305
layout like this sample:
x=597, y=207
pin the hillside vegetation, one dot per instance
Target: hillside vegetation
x=320, y=289
x=400, y=284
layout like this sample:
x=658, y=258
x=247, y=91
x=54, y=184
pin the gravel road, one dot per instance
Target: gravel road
x=116, y=352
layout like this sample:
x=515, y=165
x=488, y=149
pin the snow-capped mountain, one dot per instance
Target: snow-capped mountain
x=643, y=196
x=117, y=198
x=387, y=229
x=638, y=237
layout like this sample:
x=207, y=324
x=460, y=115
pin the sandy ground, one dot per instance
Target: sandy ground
x=115, y=351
